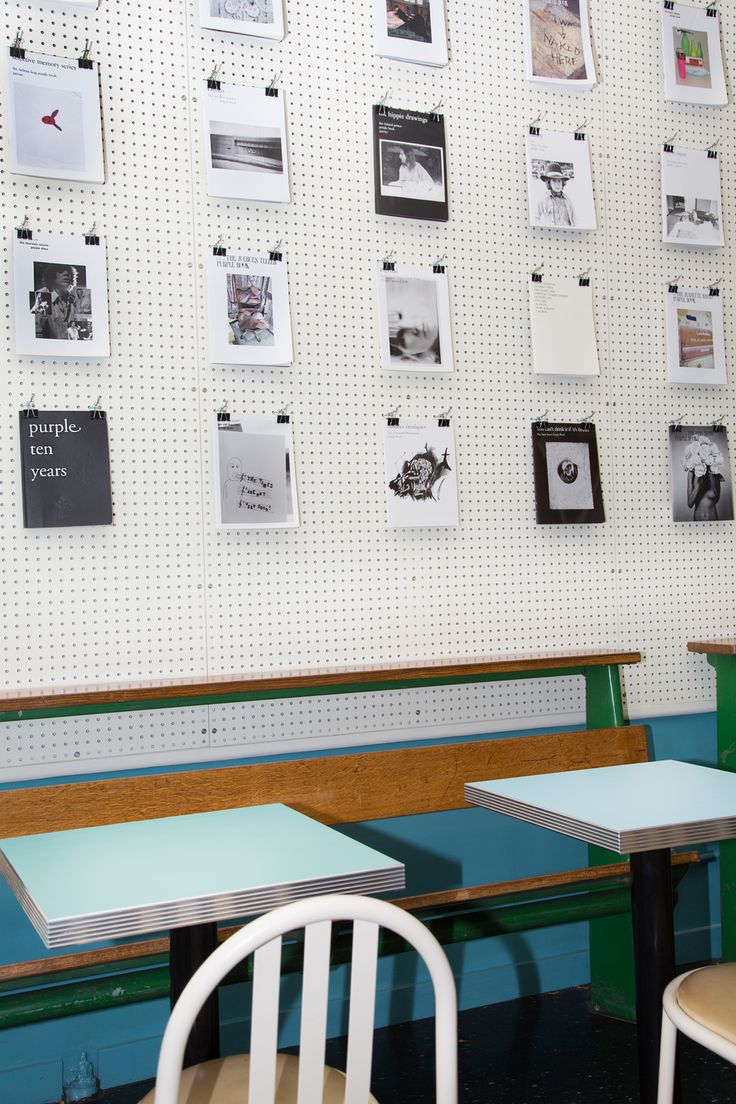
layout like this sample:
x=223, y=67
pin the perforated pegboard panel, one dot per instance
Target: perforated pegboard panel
x=162, y=592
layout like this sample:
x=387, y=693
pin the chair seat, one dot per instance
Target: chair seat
x=708, y=996
x=225, y=1081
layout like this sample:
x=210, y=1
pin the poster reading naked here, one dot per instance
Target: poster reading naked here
x=558, y=48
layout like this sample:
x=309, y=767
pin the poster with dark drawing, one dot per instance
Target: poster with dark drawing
x=414, y=320
x=248, y=310
x=695, y=343
x=261, y=20
x=255, y=480
x=245, y=144
x=559, y=182
x=691, y=199
x=567, y=482
x=54, y=120
x=691, y=56
x=60, y=296
x=65, y=469
x=558, y=51
x=409, y=164
x=411, y=30
x=563, y=327
x=421, y=475
x=700, y=470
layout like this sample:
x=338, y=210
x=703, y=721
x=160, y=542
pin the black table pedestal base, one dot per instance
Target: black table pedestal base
x=188, y=948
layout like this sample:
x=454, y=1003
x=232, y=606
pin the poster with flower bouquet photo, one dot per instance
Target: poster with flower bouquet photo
x=700, y=470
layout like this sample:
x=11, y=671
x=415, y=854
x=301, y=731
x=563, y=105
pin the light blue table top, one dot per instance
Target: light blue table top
x=148, y=875
x=627, y=808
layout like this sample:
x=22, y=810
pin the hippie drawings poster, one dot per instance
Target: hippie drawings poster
x=691, y=198
x=421, y=475
x=695, y=344
x=60, y=296
x=559, y=181
x=414, y=320
x=248, y=310
x=567, y=482
x=255, y=480
x=65, y=469
x=691, y=55
x=558, y=51
x=700, y=471
x=260, y=20
x=245, y=144
x=409, y=164
x=563, y=327
x=411, y=30
x=54, y=123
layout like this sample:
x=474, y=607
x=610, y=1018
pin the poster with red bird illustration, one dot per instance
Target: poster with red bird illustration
x=54, y=123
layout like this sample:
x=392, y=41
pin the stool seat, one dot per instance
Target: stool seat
x=708, y=996
x=225, y=1081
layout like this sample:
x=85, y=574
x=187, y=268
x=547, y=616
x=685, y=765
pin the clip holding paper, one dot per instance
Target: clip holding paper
x=534, y=126
x=275, y=254
x=23, y=231
x=669, y=143
x=712, y=150
x=29, y=410
x=580, y=131
x=717, y=426
x=435, y=112
x=16, y=50
x=213, y=80
x=541, y=421
x=271, y=89
x=676, y=425
x=388, y=264
x=673, y=285
x=91, y=237
x=588, y=419
x=438, y=268
x=443, y=420
x=536, y=274
x=96, y=412
x=85, y=61
x=584, y=278
x=713, y=289
x=711, y=11
x=392, y=418
x=382, y=108
x=669, y=5
x=222, y=414
x=218, y=249
x=282, y=415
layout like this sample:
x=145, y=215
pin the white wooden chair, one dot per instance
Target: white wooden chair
x=702, y=1005
x=265, y=1077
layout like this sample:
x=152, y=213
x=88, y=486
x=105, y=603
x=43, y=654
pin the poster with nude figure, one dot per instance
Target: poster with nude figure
x=700, y=470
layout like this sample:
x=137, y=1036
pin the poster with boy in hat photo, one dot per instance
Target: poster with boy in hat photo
x=559, y=181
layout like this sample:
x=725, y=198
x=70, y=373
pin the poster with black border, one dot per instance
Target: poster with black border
x=700, y=473
x=54, y=120
x=414, y=320
x=255, y=477
x=248, y=310
x=692, y=58
x=567, y=481
x=421, y=474
x=245, y=147
x=695, y=344
x=409, y=164
x=65, y=469
x=411, y=30
x=60, y=296
x=557, y=47
x=257, y=20
x=692, y=213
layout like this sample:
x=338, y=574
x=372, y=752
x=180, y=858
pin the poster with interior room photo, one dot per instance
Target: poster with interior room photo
x=260, y=20
x=255, y=478
x=409, y=164
x=559, y=182
x=695, y=342
x=692, y=58
x=691, y=198
x=421, y=474
x=414, y=320
x=245, y=147
x=248, y=315
x=411, y=30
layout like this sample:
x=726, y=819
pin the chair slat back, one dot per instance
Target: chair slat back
x=315, y=992
x=362, y=1011
x=264, y=1031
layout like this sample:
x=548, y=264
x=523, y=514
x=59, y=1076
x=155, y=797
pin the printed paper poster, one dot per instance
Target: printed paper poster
x=414, y=320
x=559, y=182
x=245, y=144
x=567, y=482
x=409, y=164
x=65, y=466
x=248, y=310
x=692, y=57
x=695, y=345
x=557, y=40
x=700, y=469
x=258, y=19
x=691, y=199
x=255, y=479
x=563, y=327
x=411, y=30
x=421, y=475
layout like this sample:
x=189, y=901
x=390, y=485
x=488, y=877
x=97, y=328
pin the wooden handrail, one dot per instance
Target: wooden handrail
x=726, y=646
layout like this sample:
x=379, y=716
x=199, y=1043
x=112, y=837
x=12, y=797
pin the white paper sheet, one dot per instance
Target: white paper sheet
x=245, y=145
x=248, y=310
x=695, y=346
x=255, y=478
x=558, y=51
x=260, y=20
x=54, y=124
x=563, y=328
x=421, y=475
x=60, y=297
x=691, y=199
x=692, y=57
x=414, y=320
x=559, y=182
x=411, y=30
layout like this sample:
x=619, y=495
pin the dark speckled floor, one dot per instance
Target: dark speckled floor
x=545, y=1048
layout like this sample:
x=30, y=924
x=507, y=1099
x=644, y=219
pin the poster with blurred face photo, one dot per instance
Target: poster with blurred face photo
x=414, y=320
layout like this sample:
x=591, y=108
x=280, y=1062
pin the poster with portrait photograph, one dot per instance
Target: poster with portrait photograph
x=53, y=116
x=558, y=51
x=414, y=320
x=409, y=164
x=248, y=310
x=245, y=144
x=60, y=296
x=700, y=470
x=255, y=478
x=411, y=30
x=65, y=469
x=695, y=347
x=691, y=199
x=421, y=475
x=260, y=20
x=691, y=55
x=567, y=481
x=563, y=327
x=559, y=182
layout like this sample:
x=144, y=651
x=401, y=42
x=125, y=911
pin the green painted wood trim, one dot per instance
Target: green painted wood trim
x=725, y=668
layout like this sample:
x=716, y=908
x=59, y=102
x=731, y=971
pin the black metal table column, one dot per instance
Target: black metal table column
x=188, y=949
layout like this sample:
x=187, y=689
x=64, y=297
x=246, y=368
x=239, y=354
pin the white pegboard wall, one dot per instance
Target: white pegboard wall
x=162, y=593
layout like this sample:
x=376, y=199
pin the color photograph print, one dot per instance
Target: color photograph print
x=700, y=470
x=558, y=50
x=420, y=475
x=262, y=19
x=414, y=321
x=248, y=310
x=411, y=30
x=692, y=56
x=691, y=199
x=255, y=484
x=559, y=181
x=245, y=144
x=695, y=338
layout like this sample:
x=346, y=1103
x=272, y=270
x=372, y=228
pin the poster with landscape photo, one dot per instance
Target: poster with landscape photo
x=245, y=144
x=558, y=51
x=421, y=474
x=414, y=320
x=249, y=321
x=409, y=164
x=261, y=20
x=695, y=343
x=411, y=30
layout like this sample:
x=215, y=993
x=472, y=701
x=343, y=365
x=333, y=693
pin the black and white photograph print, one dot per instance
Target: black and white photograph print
x=411, y=30
x=245, y=144
x=255, y=480
x=559, y=182
x=60, y=296
x=691, y=199
x=249, y=321
x=691, y=55
x=567, y=482
x=258, y=19
x=700, y=473
x=410, y=164
x=54, y=120
x=421, y=475
x=695, y=337
x=414, y=320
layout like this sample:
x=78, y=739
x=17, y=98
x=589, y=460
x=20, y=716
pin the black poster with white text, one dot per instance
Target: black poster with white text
x=410, y=164
x=65, y=465
x=567, y=481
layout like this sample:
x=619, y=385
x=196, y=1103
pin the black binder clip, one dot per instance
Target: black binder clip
x=96, y=413
x=587, y=422
x=676, y=426
x=534, y=127
x=271, y=89
x=222, y=414
x=438, y=268
x=669, y=143
x=435, y=112
x=388, y=264
x=282, y=416
x=85, y=61
x=381, y=105
x=218, y=249
x=213, y=80
x=669, y=5
x=541, y=421
x=392, y=418
x=443, y=420
x=29, y=410
x=580, y=131
x=16, y=50
x=712, y=151
x=92, y=238
x=23, y=231
x=584, y=279
x=718, y=426
x=275, y=253
x=673, y=285
x=536, y=274
x=711, y=11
